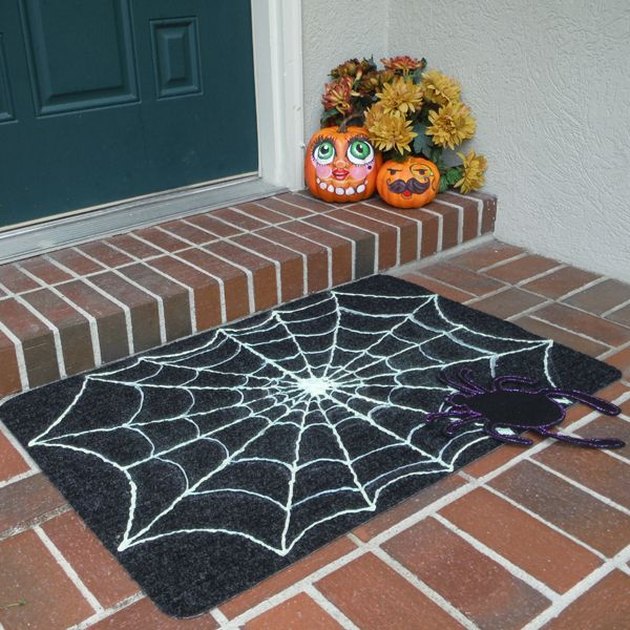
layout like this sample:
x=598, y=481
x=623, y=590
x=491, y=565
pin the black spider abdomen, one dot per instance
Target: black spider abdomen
x=521, y=409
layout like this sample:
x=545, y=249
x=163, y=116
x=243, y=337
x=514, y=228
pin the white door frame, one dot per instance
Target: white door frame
x=277, y=33
x=277, y=27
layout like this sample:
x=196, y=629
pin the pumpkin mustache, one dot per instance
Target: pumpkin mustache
x=412, y=185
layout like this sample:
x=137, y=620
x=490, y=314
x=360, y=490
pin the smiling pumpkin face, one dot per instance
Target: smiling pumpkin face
x=341, y=166
x=409, y=184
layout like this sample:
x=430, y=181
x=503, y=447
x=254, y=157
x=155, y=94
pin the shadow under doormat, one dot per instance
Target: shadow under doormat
x=209, y=464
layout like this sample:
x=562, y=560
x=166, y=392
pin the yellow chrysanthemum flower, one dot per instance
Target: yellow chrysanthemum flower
x=439, y=88
x=451, y=125
x=401, y=95
x=388, y=129
x=474, y=169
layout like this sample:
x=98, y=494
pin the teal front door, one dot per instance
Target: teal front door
x=102, y=100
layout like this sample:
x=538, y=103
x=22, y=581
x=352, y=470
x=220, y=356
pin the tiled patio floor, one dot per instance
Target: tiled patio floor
x=530, y=538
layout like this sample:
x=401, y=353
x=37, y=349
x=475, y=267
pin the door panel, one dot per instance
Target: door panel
x=102, y=100
x=81, y=56
x=176, y=57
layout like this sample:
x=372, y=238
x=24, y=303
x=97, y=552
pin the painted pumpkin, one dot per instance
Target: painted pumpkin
x=341, y=165
x=409, y=184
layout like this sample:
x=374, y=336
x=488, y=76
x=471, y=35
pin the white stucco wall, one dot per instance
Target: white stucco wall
x=333, y=31
x=549, y=84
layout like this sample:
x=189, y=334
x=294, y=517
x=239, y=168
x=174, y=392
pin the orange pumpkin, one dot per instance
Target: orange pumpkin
x=341, y=165
x=409, y=184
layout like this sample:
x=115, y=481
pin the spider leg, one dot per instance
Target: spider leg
x=603, y=406
x=459, y=383
x=454, y=426
x=588, y=442
x=510, y=439
x=500, y=382
x=466, y=377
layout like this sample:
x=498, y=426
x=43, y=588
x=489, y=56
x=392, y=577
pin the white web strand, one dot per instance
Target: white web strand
x=324, y=368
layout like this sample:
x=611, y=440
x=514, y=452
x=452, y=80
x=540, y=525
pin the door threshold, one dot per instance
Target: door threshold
x=30, y=240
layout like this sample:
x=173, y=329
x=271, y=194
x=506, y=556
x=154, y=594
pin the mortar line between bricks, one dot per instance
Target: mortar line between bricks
x=330, y=608
x=590, y=314
x=183, y=261
x=61, y=363
x=16, y=444
x=615, y=350
x=11, y=480
x=583, y=586
x=540, y=275
x=92, y=323
x=68, y=569
x=615, y=309
x=280, y=227
x=124, y=307
x=425, y=589
x=418, y=223
x=502, y=561
x=460, y=217
x=529, y=311
x=351, y=241
x=219, y=617
x=505, y=261
x=540, y=519
x=191, y=292
x=416, y=266
x=376, y=236
x=231, y=239
x=159, y=300
x=249, y=274
x=604, y=499
x=398, y=229
x=274, y=262
x=584, y=287
x=108, y=612
x=294, y=589
x=571, y=330
x=440, y=233
x=480, y=208
x=20, y=357
x=33, y=522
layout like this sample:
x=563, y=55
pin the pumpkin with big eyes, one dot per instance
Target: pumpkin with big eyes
x=409, y=184
x=341, y=165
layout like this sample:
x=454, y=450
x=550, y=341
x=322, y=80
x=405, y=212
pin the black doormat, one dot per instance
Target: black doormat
x=209, y=464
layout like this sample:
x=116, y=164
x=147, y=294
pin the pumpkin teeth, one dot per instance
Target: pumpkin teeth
x=361, y=188
x=350, y=191
x=330, y=188
x=322, y=185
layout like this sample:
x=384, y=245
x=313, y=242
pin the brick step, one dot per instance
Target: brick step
x=68, y=311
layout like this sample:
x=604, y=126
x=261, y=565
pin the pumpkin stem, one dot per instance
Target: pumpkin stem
x=343, y=125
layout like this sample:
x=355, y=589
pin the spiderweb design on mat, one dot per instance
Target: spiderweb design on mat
x=266, y=430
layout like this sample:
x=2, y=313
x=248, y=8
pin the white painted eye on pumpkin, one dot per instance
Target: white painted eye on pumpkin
x=324, y=152
x=360, y=152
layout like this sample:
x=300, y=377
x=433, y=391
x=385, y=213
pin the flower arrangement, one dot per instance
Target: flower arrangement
x=407, y=111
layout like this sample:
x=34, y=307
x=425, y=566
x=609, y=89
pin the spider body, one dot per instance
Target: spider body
x=515, y=402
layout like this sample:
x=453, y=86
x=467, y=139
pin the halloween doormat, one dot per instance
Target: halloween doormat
x=209, y=464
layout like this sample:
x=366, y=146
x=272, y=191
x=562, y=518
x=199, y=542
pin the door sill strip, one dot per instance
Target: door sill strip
x=35, y=239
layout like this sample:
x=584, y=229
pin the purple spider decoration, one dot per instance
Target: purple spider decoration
x=516, y=402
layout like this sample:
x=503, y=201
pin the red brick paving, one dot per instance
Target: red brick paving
x=295, y=614
x=551, y=516
x=373, y=595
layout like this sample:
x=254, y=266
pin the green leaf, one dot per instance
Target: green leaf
x=443, y=184
x=421, y=142
x=328, y=115
x=453, y=175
